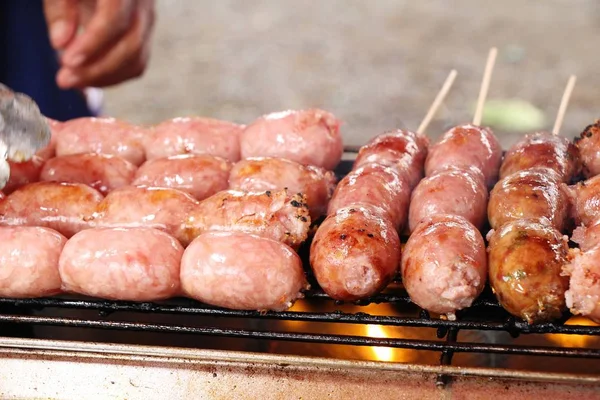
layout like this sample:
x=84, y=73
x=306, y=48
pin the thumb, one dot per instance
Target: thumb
x=62, y=20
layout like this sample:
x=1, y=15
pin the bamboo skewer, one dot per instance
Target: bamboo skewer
x=485, y=85
x=437, y=101
x=564, y=102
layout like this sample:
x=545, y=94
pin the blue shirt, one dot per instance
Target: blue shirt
x=29, y=64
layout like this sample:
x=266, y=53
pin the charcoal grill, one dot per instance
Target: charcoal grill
x=146, y=355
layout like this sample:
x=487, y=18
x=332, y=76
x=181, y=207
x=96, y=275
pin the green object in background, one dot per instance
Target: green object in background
x=513, y=115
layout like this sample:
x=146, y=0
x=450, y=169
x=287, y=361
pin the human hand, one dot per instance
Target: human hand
x=113, y=47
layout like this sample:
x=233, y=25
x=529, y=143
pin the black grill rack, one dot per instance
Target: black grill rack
x=484, y=315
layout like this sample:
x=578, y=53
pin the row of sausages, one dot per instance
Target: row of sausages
x=146, y=264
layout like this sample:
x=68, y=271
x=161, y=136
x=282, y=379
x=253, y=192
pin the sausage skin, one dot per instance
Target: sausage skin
x=309, y=137
x=269, y=276
x=194, y=135
x=466, y=146
x=23, y=173
x=268, y=173
x=276, y=215
x=534, y=194
x=103, y=172
x=29, y=261
x=543, y=150
x=200, y=175
x=405, y=151
x=65, y=207
x=135, y=264
x=444, y=264
x=133, y=207
x=588, y=144
x=451, y=191
x=101, y=135
x=585, y=201
x=355, y=253
x=525, y=260
x=376, y=186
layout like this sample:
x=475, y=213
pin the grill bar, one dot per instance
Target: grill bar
x=308, y=337
x=194, y=308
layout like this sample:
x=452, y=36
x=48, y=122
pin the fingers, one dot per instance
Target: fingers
x=125, y=60
x=62, y=20
x=110, y=20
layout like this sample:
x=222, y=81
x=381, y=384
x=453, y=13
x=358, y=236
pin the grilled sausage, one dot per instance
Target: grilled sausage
x=588, y=144
x=585, y=201
x=525, y=260
x=543, y=150
x=583, y=296
x=466, y=146
x=101, y=135
x=355, y=253
x=269, y=276
x=376, y=186
x=403, y=150
x=103, y=172
x=269, y=173
x=194, y=135
x=309, y=137
x=444, y=265
x=23, y=173
x=64, y=207
x=50, y=150
x=200, y=175
x=29, y=261
x=451, y=191
x=276, y=215
x=534, y=194
x=135, y=264
x=159, y=208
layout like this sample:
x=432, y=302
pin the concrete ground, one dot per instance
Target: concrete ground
x=377, y=64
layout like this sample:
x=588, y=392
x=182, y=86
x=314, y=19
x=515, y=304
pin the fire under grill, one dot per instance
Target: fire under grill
x=385, y=324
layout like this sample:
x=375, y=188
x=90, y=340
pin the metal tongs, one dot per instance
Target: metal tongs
x=23, y=130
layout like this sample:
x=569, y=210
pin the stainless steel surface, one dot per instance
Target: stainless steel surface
x=71, y=370
x=23, y=128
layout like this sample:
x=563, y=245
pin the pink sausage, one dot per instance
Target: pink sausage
x=403, y=150
x=103, y=172
x=464, y=147
x=50, y=151
x=199, y=175
x=194, y=135
x=23, y=173
x=135, y=264
x=267, y=173
x=64, y=207
x=101, y=135
x=309, y=137
x=583, y=296
x=444, y=264
x=376, y=186
x=159, y=208
x=29, y=261
x=269, y=275
x=452, y=191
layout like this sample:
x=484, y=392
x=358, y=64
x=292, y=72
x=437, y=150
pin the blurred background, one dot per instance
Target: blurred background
x=377, y=65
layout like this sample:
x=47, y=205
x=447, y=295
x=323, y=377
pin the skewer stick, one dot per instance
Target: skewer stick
x=437, y=101
x=485, y=85
x=563, y=104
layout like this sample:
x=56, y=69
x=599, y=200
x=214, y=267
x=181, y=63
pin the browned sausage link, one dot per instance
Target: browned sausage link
x=543, y=150
x=355, y=254
x=588, y=144
x=525, y=261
